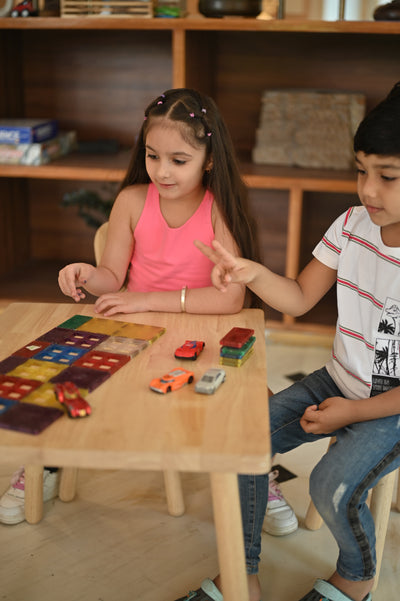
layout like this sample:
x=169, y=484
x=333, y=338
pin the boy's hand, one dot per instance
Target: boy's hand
x=333, y=413
x=228, y=268
x=73, y=275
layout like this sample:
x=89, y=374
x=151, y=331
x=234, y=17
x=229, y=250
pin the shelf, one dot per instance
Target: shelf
x=200, y=23
x=112, y=168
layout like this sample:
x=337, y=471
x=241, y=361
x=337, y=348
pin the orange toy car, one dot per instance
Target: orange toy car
x=173, y=380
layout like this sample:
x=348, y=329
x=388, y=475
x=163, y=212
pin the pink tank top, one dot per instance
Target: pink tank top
x=165, y=258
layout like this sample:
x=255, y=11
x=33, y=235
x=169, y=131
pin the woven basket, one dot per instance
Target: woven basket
x=106, y=8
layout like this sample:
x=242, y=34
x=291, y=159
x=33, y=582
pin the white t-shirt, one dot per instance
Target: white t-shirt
x=366, y=351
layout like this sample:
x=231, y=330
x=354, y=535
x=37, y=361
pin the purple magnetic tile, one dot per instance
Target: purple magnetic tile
x=83, y=377
x=10, y=363
x=56, y=335
x=6, y=404
x=83, y=339
x=31, y=419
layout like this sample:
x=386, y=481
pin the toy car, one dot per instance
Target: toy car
x=24, y=9
x=210, y=380
x=173, y=380
x=190, y=350
x=68, y=395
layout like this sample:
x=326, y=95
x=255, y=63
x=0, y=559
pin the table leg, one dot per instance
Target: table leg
x=68, y=478
x=229, y=530
x=33, y=493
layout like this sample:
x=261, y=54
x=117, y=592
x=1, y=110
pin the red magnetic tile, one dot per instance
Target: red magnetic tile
x=104, y=362
x=16, y=388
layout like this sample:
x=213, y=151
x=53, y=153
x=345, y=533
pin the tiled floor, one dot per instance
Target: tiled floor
x=115, y=541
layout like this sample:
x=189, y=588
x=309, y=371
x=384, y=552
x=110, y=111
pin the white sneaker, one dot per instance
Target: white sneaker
x=280, y=518
x=12, y=503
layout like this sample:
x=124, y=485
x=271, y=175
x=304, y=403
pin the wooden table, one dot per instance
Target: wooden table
x=132, y=427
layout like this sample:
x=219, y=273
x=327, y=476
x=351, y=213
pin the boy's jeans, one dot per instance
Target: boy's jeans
x=339, y=484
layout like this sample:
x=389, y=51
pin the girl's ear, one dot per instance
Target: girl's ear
x=209, y=164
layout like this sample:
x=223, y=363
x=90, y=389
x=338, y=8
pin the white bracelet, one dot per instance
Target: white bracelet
x=183, y=299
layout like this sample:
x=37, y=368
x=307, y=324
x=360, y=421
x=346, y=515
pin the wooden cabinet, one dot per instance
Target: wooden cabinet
x=96, y=75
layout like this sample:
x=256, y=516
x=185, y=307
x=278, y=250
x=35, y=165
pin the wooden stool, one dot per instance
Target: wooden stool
x=380, y=505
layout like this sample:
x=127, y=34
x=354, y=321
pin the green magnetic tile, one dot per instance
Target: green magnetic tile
x=75, y=322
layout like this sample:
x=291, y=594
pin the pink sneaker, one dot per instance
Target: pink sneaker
x=12, y=503
x=280, y=518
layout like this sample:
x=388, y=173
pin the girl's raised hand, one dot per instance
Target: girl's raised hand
x=71, y=277
x=228, y=268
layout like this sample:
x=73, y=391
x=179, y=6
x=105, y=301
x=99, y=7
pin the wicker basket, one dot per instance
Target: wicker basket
x=106, y=8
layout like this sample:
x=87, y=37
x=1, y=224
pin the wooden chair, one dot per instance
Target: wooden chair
x=172, y=481
x=380, y=504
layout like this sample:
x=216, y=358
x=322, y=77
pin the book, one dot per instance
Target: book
x=38, y=154
x=27, y=131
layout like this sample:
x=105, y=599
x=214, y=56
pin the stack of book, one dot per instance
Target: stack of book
x=237, y=346
x=33, y=141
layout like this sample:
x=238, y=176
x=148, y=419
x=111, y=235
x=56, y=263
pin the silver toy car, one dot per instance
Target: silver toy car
x=210, y=380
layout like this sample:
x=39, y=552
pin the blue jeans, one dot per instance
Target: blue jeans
x=362, y=455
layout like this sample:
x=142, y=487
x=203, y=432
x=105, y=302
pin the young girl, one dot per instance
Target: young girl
x=182, y=183
x=356, y=396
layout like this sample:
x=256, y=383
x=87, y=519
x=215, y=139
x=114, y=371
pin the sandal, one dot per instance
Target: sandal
x=207, y=592
x=325, y=591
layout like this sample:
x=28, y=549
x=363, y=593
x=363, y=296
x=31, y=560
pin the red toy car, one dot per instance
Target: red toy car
x=190, y=350
x=173, y=380
x=24, y=9
x=68, y=395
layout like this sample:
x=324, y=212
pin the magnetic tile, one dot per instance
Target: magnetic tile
x=140, y=331
x=74, y=322
x=122, y=345
x=59, y=353
x=56, y=335
x=87, y=379
x=10, y=363
x=236, y=362
x=30, y=419
x=84, y=340
x=33, y=369
x=16, y=388
x=6, y=404
x=44, y=396
x=104, y=362
x=31, y=349
x=99, y=325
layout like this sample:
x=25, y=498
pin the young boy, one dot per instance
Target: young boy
x=356, y=396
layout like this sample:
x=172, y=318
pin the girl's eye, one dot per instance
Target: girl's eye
x=360, y=171
x=386, y=178
x=151, y=156
x=179, y=162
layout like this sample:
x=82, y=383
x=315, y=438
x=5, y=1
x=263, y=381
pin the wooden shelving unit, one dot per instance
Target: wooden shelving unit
x=96, y=74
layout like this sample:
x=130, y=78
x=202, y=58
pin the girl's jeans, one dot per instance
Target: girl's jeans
x=339, y=484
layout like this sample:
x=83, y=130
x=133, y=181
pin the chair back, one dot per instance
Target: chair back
x=100, y=241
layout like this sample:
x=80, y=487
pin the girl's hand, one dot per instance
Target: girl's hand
x=71, y=277
x=228, y=268
x=333, y=413
x=121, y=302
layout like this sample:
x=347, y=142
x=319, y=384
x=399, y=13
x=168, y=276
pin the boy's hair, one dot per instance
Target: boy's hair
x=201, y=124
x=379, y=132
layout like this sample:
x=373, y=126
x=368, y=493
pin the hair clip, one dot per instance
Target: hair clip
x=209, y=133
x=204, y=111
x=145, y=118
x=191, y=114
x=161, y=101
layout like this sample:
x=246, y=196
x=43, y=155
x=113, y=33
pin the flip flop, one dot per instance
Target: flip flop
x=325, y=591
